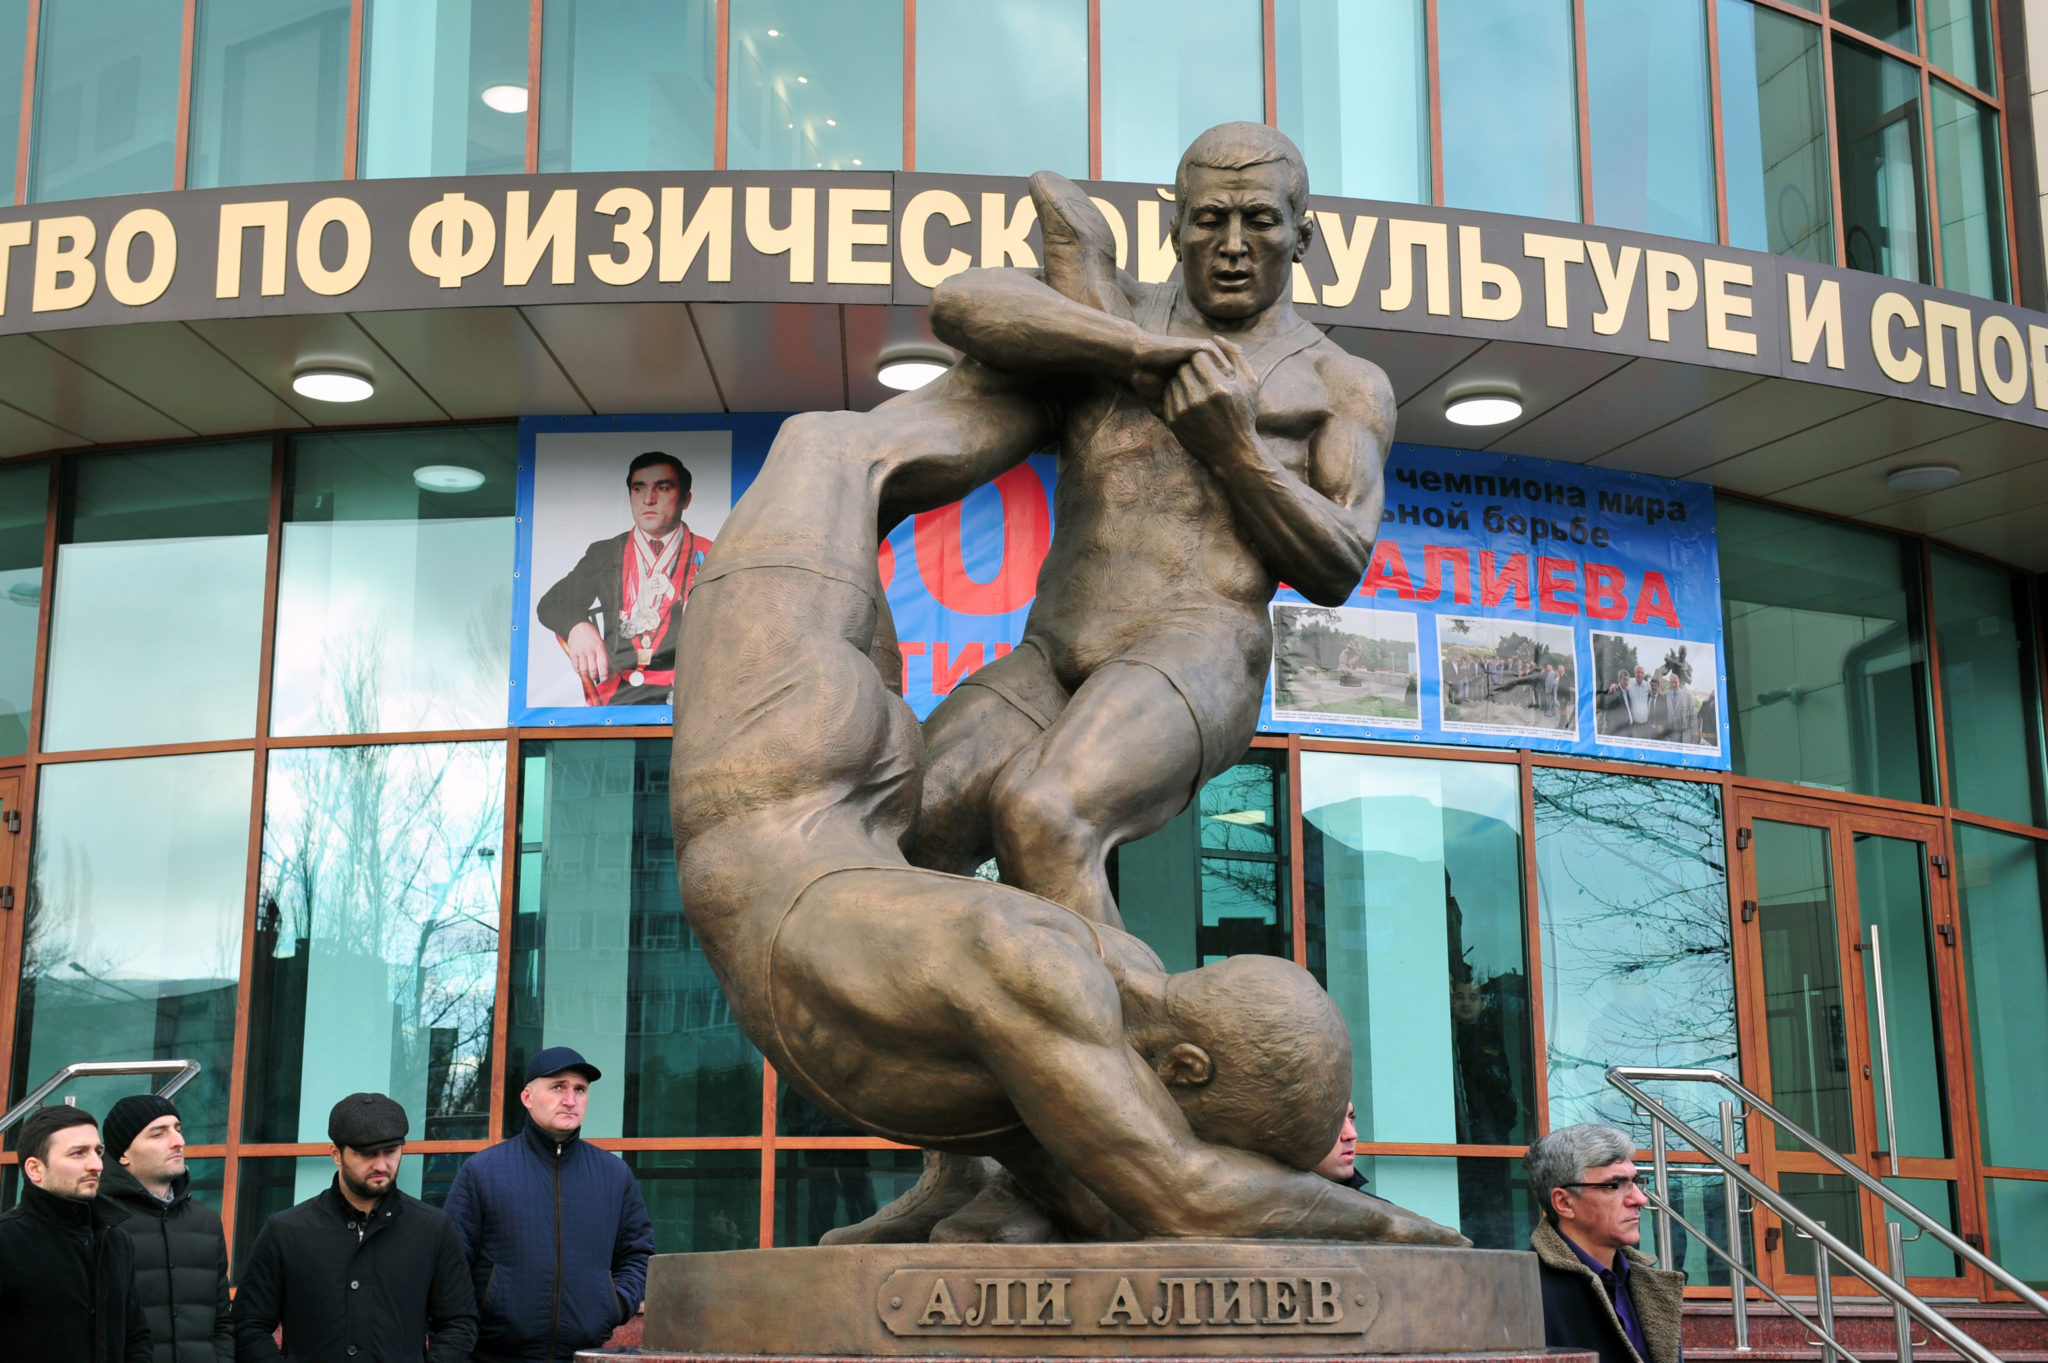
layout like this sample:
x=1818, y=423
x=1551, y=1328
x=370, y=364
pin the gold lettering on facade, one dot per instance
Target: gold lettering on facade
x=843, y=232
x=1955, y=320
x=1672, y=285
x=1889, y=308
x=1124, y=1302
x=1555, y=253
x=634, y=209
x=348, y=215
x=1003, y=237
x=1821, y=322
x=1722, y=275
x=235, y=219
x=1616, y=276
x=917, y=216
x=1114, y=216
x=709, y=231
x=1156, y=257
x=552, y=234
x=798, y=240
x=65, y=275
x=1347, y=254
x=12, y=234
x=2006, y=379
x=163, y=243
x=1487, y=291
x=2037, y=361
x=451, y=239
x=1404, y=238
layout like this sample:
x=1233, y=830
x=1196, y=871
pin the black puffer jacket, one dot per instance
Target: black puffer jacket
x=67, y=1283
x=181, y=1269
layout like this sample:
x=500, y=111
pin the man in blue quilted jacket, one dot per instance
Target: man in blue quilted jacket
x=557, y=1233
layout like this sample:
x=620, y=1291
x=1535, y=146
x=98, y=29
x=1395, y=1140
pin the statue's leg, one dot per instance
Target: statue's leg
x=947, y=1183
x=973, y=734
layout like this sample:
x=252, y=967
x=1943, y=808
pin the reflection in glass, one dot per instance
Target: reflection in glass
x=2016, y=1214
x=1509, y=108
x=1936, y=1198
x=13, y=40
x=24, y=511
x=1805, y=1030
x=1959, y=41
x=1638, y=962
x=1352, y=88
x=1703, y=1200
x=1002, y=89
x=1884, y=186
x=1774, y=133
x=1413, y=895
x=1972, y=194
x=1224, y=857
x=1827, y=660
x=426, y=66
x=1485, y=1199
x=106, y=98
x=267, y=1185
x=162, y=558
x=1888, y=21
x=818, y=1190
x=1647, y=101
x=394, y=602
x=1891, y=897
x=132, y=933
x=816, y=86
x=2004, y=889
x=627, y=84
x=700, y=1199
x=602, y=958
x=269, y=91
x=376, y=954
x=1170, y=70
x=1830, y=1199
x=1989, y=694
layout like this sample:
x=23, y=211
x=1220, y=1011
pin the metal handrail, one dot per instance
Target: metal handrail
x=1621, y=1075
x=1827, y=1244
x=182, y=1072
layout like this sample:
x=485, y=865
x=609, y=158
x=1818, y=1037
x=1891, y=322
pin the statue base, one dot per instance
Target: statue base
x=1150, y=1299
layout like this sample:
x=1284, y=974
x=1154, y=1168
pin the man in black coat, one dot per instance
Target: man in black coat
x=181, y=1256
x=361, y=1273
x=67, y=1276
x=1600, y=1293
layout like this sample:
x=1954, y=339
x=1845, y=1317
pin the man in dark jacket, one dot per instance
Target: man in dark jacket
x=181, y=1256
x=557, y=1233
x=361, y=1273
x=1599, y=1292
x=67, y=1276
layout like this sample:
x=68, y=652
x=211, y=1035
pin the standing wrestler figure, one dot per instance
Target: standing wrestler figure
x=1187, y=493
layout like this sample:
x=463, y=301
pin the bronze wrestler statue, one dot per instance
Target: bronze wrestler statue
x=944, y=1011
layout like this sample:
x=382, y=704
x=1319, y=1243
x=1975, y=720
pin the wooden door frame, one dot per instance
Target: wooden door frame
x=15, y=794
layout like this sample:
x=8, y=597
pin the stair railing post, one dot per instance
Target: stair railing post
x=1902, y=1320
x=1665, y=1258
x=1824, y=1295
x=1731, y=1195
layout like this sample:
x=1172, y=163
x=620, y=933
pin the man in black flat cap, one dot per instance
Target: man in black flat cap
x=361, y=1272
x=557, y=1233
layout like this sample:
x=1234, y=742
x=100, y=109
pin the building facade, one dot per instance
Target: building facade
x=265, y=804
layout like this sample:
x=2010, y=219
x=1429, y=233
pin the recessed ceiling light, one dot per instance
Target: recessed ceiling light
x=803, y=80
x=1483, y=409
x=906, y=367
x=831, y=122
x=775, y=33
x=446, y=478
x=332, y=385
x=506, y=99
x=856, y=160
x=1923, y=477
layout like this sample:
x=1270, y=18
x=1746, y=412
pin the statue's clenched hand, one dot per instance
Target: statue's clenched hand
x=1211, y=404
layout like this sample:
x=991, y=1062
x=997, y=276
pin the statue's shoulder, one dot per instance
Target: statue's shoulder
x=1353, y=381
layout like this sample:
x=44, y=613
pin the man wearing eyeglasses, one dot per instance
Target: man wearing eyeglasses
x=1599, y=1291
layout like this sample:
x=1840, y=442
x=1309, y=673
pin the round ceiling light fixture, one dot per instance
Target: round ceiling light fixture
x=1923, y=477
x=506, y=99
x=913, y=366
x=1483, y=409
x=446, y=478
x=328, y=384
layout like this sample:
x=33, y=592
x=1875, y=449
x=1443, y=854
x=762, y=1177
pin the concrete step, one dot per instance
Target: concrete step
x=2014, y=1332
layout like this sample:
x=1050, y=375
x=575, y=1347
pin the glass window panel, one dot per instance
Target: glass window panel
x=132, y=935
x=269, y=91
x=1213, y=882
x=1830, y=1199
x=106, y=97
x=1826, y=655
x=1701, y=1199
x=1486, y=1199
x=1638, y=963
x=1959, y=41
x=816, y=86
x=1413, y=886
x=1884, y=185
x=1242, y=808
x=24, y=511
x=267, y=1185
x=376, y=954
x=13, y=44
x=700, y=1199
x=164, y=551
x=2002, y=880
x=1170, y=70
x=2016, y=1213
x=1002, y=89
x=627, y=84
x=818, y=1190
x=1889, y=21
x=1971, y=187
x=1647, y=99
x=602, y=958
x=1352, y=88
x=1774, y=133
x=426, y=67
x=1891, y=898
x=1989, y=694
x=1925, y=1257
x=394, y=602
x=1805, y=1028
x=1509, y=106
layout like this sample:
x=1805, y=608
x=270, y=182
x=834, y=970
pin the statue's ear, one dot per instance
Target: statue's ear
x=1184, y=1065
x=1305, y=232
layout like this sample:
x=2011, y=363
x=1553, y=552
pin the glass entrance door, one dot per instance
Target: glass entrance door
x=1857, y=1006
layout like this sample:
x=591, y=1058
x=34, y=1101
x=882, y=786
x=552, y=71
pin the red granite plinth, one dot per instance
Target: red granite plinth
x=644, y=1356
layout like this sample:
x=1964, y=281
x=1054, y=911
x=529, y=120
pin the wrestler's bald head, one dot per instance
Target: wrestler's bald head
x=1278, y=1072
x=1235, y=146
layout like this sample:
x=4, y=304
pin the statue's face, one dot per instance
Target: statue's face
x=1238, y=239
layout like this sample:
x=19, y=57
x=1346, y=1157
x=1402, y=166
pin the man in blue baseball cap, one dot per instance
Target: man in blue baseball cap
x=557, y=1233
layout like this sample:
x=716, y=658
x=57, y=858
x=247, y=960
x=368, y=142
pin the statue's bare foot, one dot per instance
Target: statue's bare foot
x=948, y=1183
x=1002, y=1213
x=1397, y=1225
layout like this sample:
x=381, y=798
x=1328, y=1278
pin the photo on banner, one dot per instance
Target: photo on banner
x=1507, y=677
x=1345, y=661
x=1650, y=692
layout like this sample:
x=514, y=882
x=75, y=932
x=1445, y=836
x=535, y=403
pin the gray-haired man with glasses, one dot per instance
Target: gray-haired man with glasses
x=1599, y=1291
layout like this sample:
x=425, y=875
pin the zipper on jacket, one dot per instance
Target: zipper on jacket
x=555, y=1326
x=170, y=1278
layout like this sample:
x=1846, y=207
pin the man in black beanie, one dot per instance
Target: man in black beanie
x=181, y=1256
x=361, y=1271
